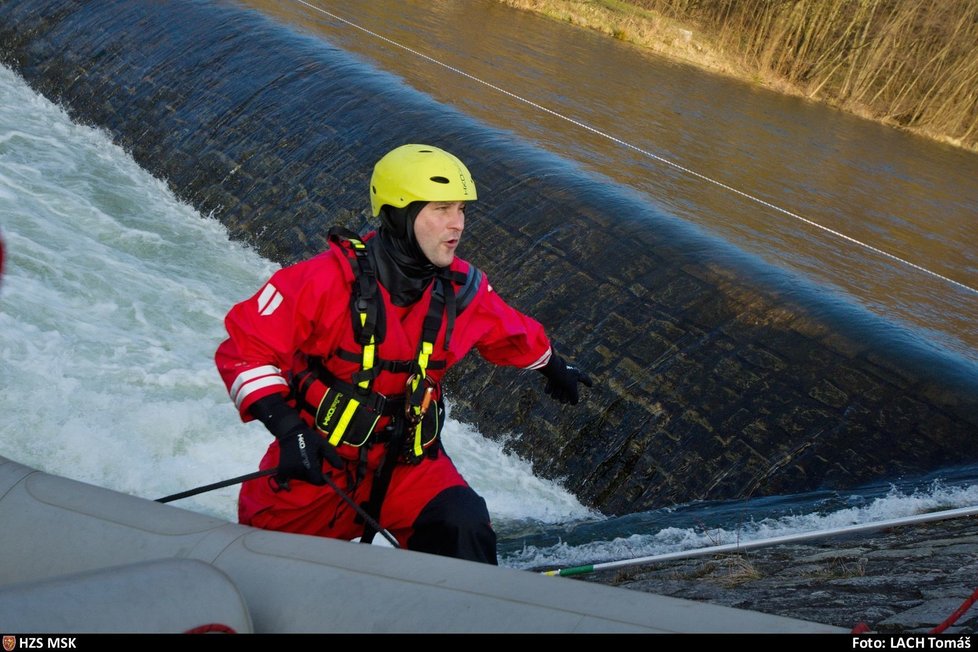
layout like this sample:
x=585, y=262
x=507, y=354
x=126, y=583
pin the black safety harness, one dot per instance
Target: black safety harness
x=347, y=413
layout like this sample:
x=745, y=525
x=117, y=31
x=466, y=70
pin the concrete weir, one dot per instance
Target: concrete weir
x=716, y=376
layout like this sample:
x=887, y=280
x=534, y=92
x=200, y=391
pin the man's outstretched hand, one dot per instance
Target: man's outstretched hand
x=562, y=380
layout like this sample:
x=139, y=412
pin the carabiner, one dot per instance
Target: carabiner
x=425, y=400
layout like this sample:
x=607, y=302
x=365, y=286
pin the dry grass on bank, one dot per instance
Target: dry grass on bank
x=628, y=22
x=906, y=64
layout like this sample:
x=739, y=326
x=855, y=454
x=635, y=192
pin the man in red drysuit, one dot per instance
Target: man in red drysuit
x=341, y=357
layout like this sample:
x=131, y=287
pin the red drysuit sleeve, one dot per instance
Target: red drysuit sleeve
x=510, y=338
x=297, y=305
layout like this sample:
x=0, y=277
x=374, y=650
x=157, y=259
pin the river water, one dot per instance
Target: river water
x=877, y=216
x=114, y=291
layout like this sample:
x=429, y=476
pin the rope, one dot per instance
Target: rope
x=957, y=614
x=644, y=152
x=863, y=628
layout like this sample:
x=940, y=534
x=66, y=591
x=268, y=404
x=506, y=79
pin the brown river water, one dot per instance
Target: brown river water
x=868, y=214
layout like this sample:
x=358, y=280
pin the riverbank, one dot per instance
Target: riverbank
x=695, y=45
x=906, y=580
x=650, y=31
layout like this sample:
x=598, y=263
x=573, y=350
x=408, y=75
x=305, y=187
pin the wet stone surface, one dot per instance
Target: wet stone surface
x=907, y=580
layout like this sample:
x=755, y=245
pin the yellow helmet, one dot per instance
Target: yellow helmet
x=419, y=173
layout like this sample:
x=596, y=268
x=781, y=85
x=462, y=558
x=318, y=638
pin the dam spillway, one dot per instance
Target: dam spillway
x=711, y=380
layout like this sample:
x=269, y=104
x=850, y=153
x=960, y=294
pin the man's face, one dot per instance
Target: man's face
x=438, y=229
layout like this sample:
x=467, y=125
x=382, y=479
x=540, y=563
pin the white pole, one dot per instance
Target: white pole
x=772, y=541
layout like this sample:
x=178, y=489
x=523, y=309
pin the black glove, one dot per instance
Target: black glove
x=562, y=380
x=301, y=454
x=301, y=449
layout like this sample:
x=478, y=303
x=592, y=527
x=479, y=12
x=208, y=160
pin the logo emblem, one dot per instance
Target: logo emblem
x=9, y=642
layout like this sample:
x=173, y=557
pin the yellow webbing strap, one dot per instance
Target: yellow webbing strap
x=369, y=351
x=336, y=436
x=427, y=348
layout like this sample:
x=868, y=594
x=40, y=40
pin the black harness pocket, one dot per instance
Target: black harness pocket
x=345, y=419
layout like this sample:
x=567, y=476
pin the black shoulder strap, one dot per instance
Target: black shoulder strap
x=445, y=298
x=470, y=287
x=340, y=233
x=365, y=306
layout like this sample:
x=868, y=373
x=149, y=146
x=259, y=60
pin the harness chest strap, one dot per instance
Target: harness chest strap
x=348, y=414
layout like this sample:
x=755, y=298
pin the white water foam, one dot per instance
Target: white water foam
x=897, y=503
x=111, y=308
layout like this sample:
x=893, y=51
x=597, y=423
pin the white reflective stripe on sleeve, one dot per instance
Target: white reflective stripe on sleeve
x=542, y=361
x=255, y=385
x=269, y=300
x=255, y=379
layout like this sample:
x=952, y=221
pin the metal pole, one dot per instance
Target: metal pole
x=772, y=541
x=265, y=472
x=217, y=485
